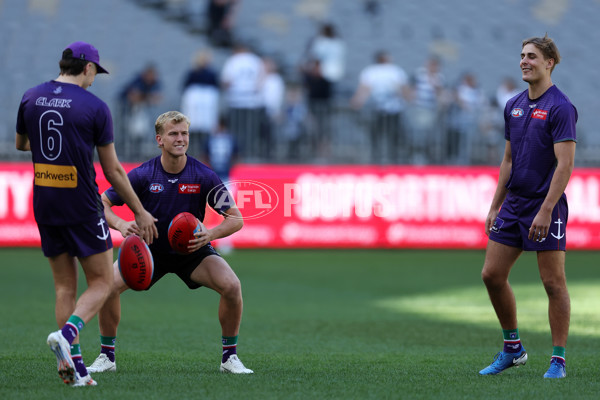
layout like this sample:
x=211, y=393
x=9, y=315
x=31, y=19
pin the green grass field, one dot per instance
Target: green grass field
x=319, y=324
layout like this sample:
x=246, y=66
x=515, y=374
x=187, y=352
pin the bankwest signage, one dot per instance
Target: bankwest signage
x=341, y=206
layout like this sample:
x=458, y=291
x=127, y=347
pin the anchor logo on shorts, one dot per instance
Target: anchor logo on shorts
x=498, y=223
x=558, y=235
x=104, y=233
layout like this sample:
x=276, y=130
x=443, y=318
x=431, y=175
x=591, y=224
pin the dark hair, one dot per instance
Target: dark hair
x=381, y=56
x=223, y=121
x=70, y=65
x=328, y=30
x=546, y=46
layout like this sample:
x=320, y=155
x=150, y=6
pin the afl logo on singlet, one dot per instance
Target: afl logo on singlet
x=517, y=112
x=156, y=188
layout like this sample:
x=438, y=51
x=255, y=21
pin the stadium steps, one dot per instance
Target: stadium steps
x=483, y=38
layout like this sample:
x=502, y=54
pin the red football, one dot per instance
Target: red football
x=181, y=231
x=136, y=263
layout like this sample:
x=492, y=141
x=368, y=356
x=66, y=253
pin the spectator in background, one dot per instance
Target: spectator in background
x=273, y=93
x=294, y=129
x=426, y=94
x=144, y=90
x=330, y=50
x=221, y=15
x=319, y=95
x=221, y=150
x=221, y=154
x=384, y=83
x=200, y=100
x=507, y=90
x=242, y=79
x=491, y=133
x=372, y=9
x=138, y=99
x=470, y=101
x=492, y=120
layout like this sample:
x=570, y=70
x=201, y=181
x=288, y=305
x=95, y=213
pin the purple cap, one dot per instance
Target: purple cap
x=87, y=52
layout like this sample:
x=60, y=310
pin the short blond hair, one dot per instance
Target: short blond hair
x=170, y=116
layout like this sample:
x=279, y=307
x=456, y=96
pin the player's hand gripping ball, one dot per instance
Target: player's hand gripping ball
x=136, y=263
x=182, y=229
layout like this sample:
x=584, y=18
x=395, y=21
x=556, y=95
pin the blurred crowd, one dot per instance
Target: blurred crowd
x=392, y=116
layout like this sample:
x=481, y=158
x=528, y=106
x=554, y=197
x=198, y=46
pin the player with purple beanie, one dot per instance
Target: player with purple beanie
x=62, y=124
x=529, y=210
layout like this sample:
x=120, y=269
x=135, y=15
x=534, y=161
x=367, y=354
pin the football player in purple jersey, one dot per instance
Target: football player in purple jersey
x=62, y=123
x=529, y=209
x=167, y=185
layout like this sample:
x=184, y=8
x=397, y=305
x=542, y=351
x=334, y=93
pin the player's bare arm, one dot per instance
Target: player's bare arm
x=115, y=174
x=232, y=222
x=500, y=194
x=565, y=156
x=126, y=228
x=22, y=142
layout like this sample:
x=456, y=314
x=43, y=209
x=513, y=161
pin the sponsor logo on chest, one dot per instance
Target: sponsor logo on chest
x=189, y=188
x=539, y=114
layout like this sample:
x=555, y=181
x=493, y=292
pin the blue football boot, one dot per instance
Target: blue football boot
x=556, y=370
x=504, y=361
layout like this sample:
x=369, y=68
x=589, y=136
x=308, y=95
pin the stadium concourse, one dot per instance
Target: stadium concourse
x=484, y=41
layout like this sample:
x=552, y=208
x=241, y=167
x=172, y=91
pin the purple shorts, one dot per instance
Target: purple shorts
x=180, y=264
x=80, y=240
x=514, y=220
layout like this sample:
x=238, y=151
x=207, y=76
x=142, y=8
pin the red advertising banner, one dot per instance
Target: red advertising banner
x=311, y=206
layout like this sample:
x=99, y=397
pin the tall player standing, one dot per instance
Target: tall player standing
x=169, y=184
x=529, y=210
x=61, y=123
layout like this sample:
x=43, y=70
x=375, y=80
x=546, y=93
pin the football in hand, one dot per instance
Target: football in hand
x=136, y=263
x=181, y=230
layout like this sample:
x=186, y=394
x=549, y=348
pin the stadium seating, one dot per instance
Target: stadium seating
x=484, y=39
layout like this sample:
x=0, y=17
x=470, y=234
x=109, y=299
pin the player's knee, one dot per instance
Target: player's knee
x=490, y=279
x=486, y=277
x=554, y=287
x=101, y=286
x=107, y=290
x=66, y=293
x=117, y=287
x=232, y=289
